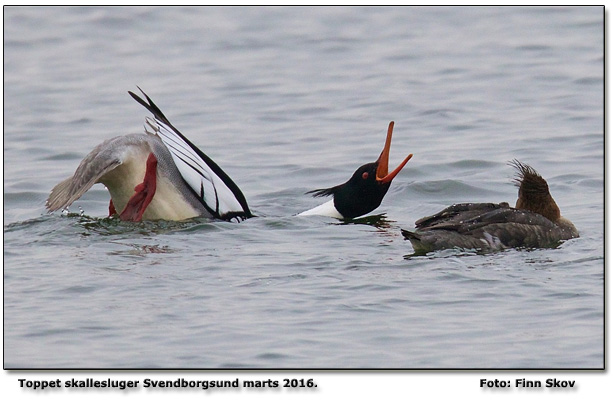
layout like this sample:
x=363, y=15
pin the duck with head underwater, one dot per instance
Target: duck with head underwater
x=156, y=175
x=535, y=222
x=364, y=191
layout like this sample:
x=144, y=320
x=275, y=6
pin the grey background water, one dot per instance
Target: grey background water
x=288, y=100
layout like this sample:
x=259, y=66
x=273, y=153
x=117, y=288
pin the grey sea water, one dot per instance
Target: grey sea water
x=288, y=100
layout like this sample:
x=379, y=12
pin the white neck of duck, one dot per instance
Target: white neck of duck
x=327, y=210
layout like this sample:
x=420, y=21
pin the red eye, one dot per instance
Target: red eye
x=365, y=175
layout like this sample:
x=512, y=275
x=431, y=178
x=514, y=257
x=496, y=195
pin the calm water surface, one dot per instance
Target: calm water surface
x=287, y=100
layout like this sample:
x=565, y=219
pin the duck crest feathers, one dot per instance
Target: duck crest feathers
x=322, y=192
x=533, y=194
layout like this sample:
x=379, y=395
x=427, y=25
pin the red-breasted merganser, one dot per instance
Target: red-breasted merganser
x=535, y=222
x=364, y=191
x=154, y=175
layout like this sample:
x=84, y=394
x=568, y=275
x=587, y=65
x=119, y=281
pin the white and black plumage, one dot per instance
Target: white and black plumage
x=159, y=174
x=364, y=191
x=535, y=222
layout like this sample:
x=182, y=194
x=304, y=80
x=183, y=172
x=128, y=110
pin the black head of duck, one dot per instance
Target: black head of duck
x=364, y=191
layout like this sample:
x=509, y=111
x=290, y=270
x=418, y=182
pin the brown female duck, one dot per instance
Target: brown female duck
x=535, y=222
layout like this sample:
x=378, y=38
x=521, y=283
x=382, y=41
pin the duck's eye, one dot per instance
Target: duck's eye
x=365, y=175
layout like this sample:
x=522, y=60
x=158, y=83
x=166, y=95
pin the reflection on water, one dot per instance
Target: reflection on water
x=141, y=250
x=379, y=221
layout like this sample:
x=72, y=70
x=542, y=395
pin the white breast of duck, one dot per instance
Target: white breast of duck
x=159, y=174
x=172, y=200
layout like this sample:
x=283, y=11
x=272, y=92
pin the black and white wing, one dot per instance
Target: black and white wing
x=210, y=184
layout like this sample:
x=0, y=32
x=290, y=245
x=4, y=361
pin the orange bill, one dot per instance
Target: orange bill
x=382, y=169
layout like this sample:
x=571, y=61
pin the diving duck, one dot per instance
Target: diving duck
x=156, y=175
